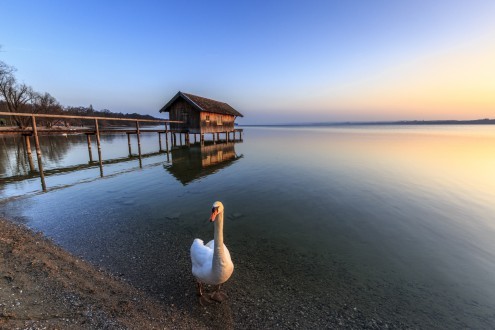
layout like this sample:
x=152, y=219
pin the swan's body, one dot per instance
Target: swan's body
x=211, y=263
x=202, y=257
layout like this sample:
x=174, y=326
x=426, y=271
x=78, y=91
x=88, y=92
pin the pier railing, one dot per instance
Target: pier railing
x=96, y=131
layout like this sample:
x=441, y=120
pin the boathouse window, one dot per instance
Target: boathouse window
x=207, y=118
x=219, y=120
x=185, y=116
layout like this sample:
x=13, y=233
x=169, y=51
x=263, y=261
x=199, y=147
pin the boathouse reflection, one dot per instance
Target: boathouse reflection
x=200, y=160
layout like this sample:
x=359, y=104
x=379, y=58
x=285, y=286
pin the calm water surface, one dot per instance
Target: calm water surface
x=397, y=222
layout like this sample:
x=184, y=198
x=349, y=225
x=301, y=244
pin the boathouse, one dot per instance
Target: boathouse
x=200, y=115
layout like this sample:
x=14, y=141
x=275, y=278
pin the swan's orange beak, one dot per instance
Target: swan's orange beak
x=214, y=213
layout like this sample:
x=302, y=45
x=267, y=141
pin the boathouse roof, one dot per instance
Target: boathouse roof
x=203, y=104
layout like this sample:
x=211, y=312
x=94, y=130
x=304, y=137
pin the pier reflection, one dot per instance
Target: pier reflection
x=16, y=156
x=200, y=160
x=61, y=154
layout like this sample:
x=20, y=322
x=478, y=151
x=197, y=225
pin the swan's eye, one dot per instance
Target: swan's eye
x=214, y=209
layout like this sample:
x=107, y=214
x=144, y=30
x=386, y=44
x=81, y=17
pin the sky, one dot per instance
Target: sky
x=273, y=61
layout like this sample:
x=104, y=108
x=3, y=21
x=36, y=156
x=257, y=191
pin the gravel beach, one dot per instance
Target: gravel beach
x=43, y=286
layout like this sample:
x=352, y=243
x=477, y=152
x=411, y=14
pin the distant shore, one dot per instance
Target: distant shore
x=382, y=123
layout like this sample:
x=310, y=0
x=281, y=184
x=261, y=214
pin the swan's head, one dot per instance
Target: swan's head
x=217, y=209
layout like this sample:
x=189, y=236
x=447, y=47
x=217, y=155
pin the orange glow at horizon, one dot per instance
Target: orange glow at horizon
x=459, y=84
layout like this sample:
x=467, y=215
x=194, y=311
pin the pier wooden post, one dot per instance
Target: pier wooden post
x=202, y=138
x=88, y=138
x=213, y=135
x=138, y=133
x=29, y=152
x=98, y=143
x=28, y=144
x=38, y=153
x=159, y=142
x=129, y=143
x=166, y=137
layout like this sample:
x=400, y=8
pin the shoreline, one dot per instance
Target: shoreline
x=44, y=286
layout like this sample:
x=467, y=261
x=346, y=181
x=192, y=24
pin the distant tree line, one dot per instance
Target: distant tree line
x=18, y=97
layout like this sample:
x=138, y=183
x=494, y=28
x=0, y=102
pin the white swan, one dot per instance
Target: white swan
x=211, y=263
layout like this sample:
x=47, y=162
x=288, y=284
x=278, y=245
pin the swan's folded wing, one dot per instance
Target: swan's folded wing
x=200, y=253
x=227, y=253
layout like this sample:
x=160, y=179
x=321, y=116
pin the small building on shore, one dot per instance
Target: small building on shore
x=200, y=115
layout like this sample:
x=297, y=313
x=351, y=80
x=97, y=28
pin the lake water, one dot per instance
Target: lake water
x=394, y=223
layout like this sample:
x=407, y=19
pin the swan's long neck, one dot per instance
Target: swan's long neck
x=218, y=252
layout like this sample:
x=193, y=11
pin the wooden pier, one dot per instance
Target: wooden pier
x=174, y=137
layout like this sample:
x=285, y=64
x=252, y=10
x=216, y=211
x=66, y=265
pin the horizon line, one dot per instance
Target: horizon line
x=486, y=121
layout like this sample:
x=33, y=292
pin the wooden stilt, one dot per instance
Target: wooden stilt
x=213, y=135
x=159, y=142
x=98, y=143
x=129, y=143
x=138, y=133
x=90, y=153
x=31, y=163
x=38, y=153
x=29, y=153
x=166, y=137
x=28, y=144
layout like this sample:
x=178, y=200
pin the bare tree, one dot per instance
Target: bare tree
x=19, y=98
x=45, y=103
x=5, y=71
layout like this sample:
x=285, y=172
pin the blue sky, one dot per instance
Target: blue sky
x=274, y=61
